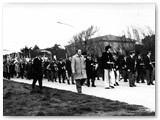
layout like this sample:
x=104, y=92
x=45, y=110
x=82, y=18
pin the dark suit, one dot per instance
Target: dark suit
x=149, y=70
x=147, y=61
x=12, y=67
x=107, y=57
x=124, y=69
x=68, y=67
x=116, y=68
x=22, y=69
x=140, y=70
x=131, y=70
x=89, y=71
x=37, y=72
x=69, y=71
x=61, y=71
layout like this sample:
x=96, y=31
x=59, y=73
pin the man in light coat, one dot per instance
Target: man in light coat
x=79, y=70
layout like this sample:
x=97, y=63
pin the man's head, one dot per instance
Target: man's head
x=139, y=56
x=132, y=53
x=108, y=48
x=125, y=57
x=79, y=52
x=89, y=56
x=61, y=59
x=39, y=55
x=70, y=58
x=115, y=56
x=149, y=53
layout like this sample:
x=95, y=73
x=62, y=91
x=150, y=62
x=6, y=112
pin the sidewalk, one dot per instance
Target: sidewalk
x=143, y=94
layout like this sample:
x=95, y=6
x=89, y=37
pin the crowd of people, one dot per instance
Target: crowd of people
x=85, y=69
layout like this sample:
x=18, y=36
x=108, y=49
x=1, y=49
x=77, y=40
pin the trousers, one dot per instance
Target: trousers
x=131, y=77
x=108, y=79
x=79, y=83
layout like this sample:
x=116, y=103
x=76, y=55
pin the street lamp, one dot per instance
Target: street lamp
x=65, y=24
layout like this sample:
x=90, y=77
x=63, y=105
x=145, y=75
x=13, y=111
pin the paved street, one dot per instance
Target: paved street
x=140, y=95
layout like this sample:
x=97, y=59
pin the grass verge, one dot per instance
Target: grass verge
x=19, y=100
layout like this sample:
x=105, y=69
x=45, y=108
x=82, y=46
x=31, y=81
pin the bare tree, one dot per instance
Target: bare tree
x=89, y=33
x=129, y=33
x=84, y=36
x=26, y=51
x=149, y=31
x=143, y=36
x=138, y=33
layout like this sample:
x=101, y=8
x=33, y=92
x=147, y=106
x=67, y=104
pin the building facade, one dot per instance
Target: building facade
x=97, y=45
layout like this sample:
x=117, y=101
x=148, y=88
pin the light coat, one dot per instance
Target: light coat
x=79, y=67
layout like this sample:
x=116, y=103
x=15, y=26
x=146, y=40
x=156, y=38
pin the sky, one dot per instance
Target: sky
x=37, y=24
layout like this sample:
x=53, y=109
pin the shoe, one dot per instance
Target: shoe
x=148, y=83
x=73, y=83
x=79, y=92
x=117, y=84
x=137, y=81
x=107, y=87
x=134, y=85
x=88, y=85
x=125, y=81
x=142, y=82
x=131, y=86
x=112, y=86
x=93, y=86
x=152, y=83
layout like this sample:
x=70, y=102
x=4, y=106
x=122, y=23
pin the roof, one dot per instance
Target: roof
x=110, y=38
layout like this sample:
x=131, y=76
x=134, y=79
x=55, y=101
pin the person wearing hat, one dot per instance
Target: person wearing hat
x=69, y=71
x=124, y=68
x=61, y=70
x=37, y=71
x=116, y=68
x=149, y=68
x=22, y=69
x=140, y=69
x=12, y=67
x=131, y=68
x=6, y=69
x=79, y=69
x=107, y=63
x=89, y=70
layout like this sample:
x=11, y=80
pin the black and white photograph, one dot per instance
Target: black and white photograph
x=79, y=59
